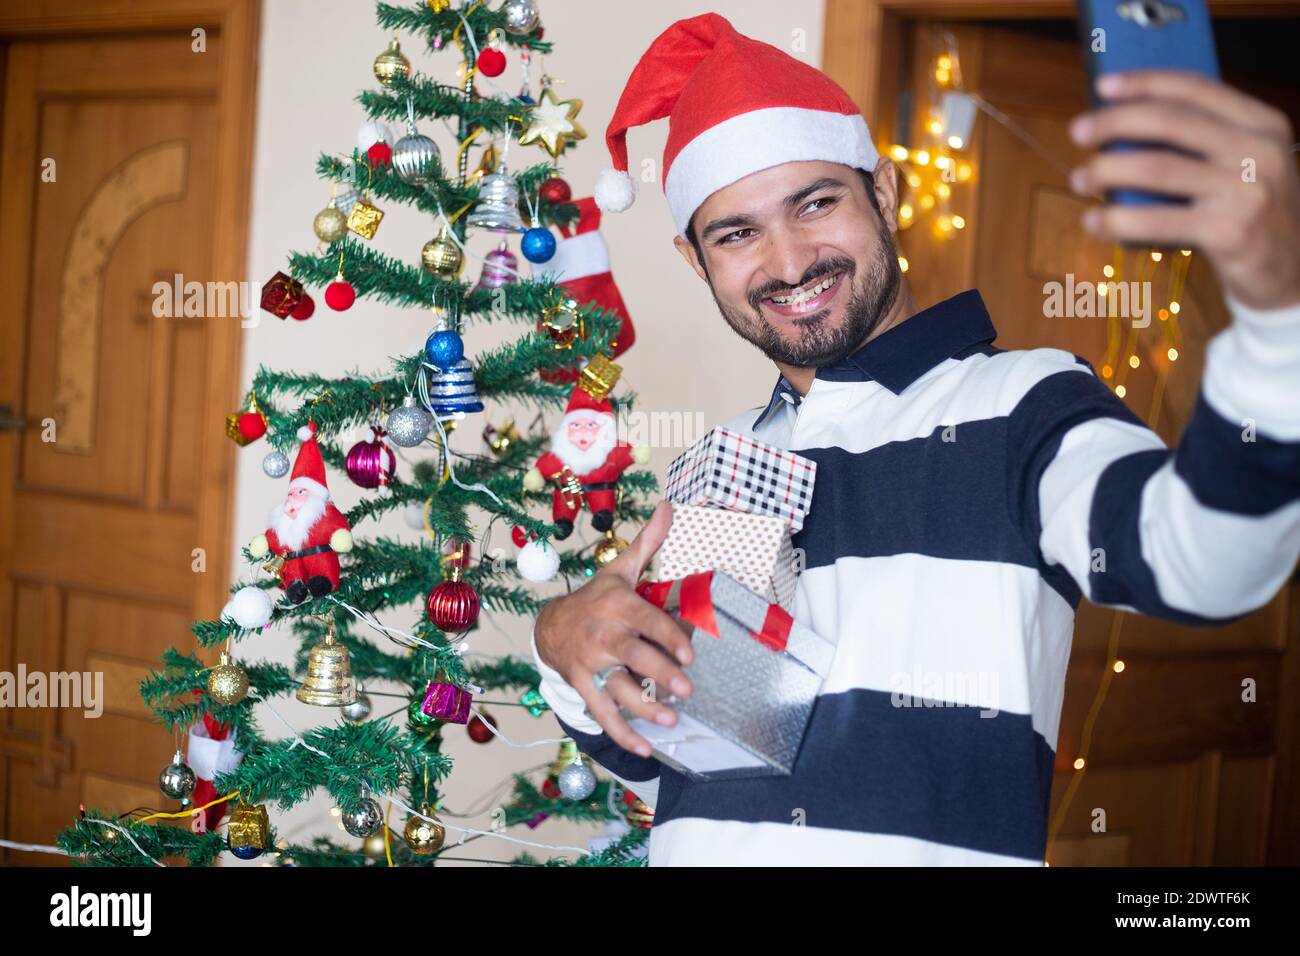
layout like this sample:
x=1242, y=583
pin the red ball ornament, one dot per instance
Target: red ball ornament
x=453, y=605
x=304, y=309
x=252, y=425
x=491, y=62
x=371, y=464
x=381, y=154
x=555, y=191
x=339, y=295
x=519, y=536
x=550, y=789
x=478, y=727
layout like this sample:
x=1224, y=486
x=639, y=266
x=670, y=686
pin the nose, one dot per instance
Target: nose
x=788, y=255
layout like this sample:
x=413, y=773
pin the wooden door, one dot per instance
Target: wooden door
x=1180, y=770
x=114, y=473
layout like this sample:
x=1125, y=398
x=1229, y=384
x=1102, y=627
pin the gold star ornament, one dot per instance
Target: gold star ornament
x=553, y=123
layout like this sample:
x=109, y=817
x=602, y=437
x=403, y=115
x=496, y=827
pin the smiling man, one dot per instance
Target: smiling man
x=967, y=497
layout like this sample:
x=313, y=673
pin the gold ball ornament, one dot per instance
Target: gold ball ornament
x=373, y=846
x=442, y=257
x=330, y=225
x=228, y=683
x=608, y=548
x=424, y=837
x=391, y=64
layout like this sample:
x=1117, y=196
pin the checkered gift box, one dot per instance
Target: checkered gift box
x=753, y=549
x=727, y=469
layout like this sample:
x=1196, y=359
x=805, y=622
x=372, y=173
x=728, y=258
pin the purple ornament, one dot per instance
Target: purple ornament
x=500, y=268
x=447, y=702
x=371, y=464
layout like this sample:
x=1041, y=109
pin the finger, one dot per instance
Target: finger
x=1185, y=127
x=648, y=660
x=630, y=695
x=1194, y=89
x=1161, y=225
x=636, y=558
x=604, y=711
x=657, y=625
x=1152, y=169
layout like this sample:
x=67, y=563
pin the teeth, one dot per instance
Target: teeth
x=803, y=295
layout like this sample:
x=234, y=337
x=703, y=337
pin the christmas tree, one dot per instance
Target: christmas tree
x=387, y=773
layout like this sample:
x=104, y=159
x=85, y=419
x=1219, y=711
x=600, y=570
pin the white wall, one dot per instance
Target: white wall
x=315, y=56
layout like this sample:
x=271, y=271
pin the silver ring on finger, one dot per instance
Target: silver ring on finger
x=601, y=677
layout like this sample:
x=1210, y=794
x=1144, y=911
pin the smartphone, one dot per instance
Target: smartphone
x=1125, y=35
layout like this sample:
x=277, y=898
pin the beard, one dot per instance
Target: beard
x=293, y=532
x=581, y=461
x=870, y=298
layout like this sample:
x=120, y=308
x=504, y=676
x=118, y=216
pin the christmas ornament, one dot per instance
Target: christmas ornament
x=329, y=681
x=520, y=536
x=555, y=191
x=247, y=425
x=250, y=607
x=376, y=141
x=339, y=294
x=373, y=847
x=280, y=295
x=452, y=391
x=418, y=719
x=537, y=561
x=248, y=832
x=637, y=812
x=227, y=683
x=357, y=711
x=491, y=61
x=424, y=837
x=439, y=6
x=364, y=819
x=307, y=533
x=534, y=701
x=331, y=223
x=522, y=16
x=442, y=256
x=177, y=779
x=446, y=701
x=586, y=459
x=391, y=64
x=500, y=268
x=498, y=204
x=608, y=548
x=553, y=123
x=275, y=464
x=478, y=728
x=345, y=201
x=444, y=347
x=415, y=157
x=453, y=604
x=501, y=440
x=538, y=244
x=370, y=464
x=577, y=781
x=562, y=323
x=364, y=219
x=408, y=425
x=305, y=308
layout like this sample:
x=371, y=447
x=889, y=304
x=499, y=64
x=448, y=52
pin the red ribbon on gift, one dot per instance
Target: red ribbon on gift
x=695, y=605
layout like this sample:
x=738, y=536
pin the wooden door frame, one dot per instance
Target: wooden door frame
x=863, y=49
x=238, y=23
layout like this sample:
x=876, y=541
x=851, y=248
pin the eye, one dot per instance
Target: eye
x=826, y=201
x=729, y=237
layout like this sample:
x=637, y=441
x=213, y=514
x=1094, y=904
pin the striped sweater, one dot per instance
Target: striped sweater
x=967, y=497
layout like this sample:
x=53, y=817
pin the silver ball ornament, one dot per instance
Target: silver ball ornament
x=358, y=710
x=177, y=780
x=275, y=464
x=577, y=781
x=365, y=819
x=415, y=158
x=408, y=425
x=522, y=16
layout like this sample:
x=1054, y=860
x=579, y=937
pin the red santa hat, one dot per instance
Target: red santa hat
x=309, y=467
x=582, y=401
x=734, y=106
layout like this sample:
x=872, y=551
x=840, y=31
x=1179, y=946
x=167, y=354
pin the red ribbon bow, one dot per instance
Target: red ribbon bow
x=695, y=605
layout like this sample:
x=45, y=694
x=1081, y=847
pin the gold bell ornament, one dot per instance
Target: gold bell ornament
x=391, y=64
x=501, y=440
x=608, y=548
x=228, y=682
x=329, y=681
x=442, y=256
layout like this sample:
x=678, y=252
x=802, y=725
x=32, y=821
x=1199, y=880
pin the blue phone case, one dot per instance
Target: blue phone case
x=1145, y=35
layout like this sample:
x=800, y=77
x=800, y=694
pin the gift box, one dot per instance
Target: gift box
x=730, y=470
x=756, y=676
x=753, y=549
x=281, y=295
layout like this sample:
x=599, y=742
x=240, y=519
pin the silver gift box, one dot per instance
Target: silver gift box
x=750, y=703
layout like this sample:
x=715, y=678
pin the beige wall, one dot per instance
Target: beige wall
x=315, y=56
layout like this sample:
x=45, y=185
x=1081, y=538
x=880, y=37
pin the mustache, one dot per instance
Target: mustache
x=818, y=270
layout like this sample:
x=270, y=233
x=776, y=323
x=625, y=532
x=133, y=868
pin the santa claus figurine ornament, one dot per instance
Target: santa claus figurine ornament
x=307, y=533
x=586, y=458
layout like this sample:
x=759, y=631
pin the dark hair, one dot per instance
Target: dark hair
x=868, y=180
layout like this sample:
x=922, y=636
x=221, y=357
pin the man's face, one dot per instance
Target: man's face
x=799, y=261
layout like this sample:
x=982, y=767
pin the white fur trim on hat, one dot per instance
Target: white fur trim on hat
x=758, y=140
x=615, y=190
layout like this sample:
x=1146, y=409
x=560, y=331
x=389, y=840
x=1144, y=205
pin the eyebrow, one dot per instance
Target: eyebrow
x=796, y=198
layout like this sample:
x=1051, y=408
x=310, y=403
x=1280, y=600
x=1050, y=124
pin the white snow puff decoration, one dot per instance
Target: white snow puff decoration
x=537, y=561
x=249, y=607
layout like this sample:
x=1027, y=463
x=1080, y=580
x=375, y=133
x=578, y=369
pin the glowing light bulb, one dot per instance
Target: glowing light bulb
x=944, y=62
x=898, y=152
x=1134, y=361
x=1174, y=307
x=1186, y=252
x=942, y=162
x=905, y=211
x=1155, y=256
x=921, y=157
x=1121, y=391
x=958, y=222
x=1078, y=763
x=935, y=127
x=1173, y=354
x=927, y=202
x=943, y=189
x=902, y=263
x=914, y=180
x=1108, y=271
x=963, y=172
x=1107, y=371
x=1118, y=667
x=956, y=142
x=942, y=77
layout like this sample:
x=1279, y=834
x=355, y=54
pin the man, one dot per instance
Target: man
x=967, y=497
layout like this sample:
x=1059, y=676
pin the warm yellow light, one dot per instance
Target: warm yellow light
x=914, y=180
x=958, y=222
x=921, y=157
x=898, y=152
x=1118, y=667
x=942, y=162
x=1121, y=391
x=1164, y=314
x=1134, y=361
x=943, y=189
x=942, y=77
x=963, y=172
x=927, y=202
x=944, y=62
x=1173, y=355
x=1107, y=371
x=956, y=142
x=902, y=263
x=1101, y=289
x=1174, y=307
x=1108, y=271
x=1186, y=252
x=905, y=211
x=1078, y=763
x=935, y=127
x=1155, y=256
x=944, y=224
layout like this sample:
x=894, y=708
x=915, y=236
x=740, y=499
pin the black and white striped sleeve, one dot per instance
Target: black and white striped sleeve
x=1200, y=534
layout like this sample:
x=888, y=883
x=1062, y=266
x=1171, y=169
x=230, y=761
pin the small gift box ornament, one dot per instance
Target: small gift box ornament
x=446, y=701
x=248, y=831
x=248, y=424
x=281, y=295
x=364, y=219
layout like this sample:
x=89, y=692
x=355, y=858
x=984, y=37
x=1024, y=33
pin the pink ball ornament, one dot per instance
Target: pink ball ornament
x=370, y=464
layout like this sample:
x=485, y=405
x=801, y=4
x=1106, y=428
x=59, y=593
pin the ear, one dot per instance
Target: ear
x=688, y=253
x=886, y=182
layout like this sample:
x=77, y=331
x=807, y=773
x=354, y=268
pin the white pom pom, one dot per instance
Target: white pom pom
x=304, y=433
x=371, y=133
x=413, y=515
x=537, y=561
x=249, y=607
x=615, y=191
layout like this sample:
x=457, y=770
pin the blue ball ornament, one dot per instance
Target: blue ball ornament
x=246, y=852
x=538, y=244
x=444, y=348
